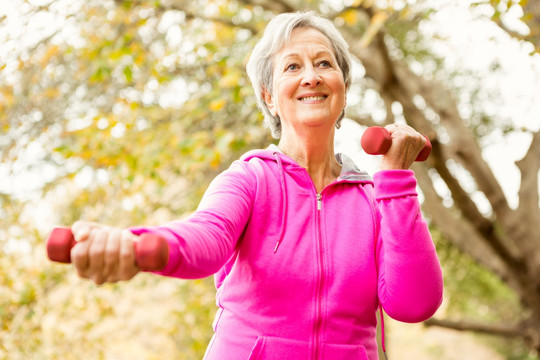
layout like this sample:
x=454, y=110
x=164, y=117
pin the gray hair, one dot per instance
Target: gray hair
x=276, y=35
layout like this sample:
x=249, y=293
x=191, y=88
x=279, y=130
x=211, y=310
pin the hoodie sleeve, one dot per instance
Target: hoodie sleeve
x=200, y=244
x=410, y=276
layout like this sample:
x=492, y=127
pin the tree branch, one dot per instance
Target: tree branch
x=227, y=21
x=277, y=6
x=390, y=118
x=531, y=17
x=466, y=205
x=499, y=330
x=399, y=90
x=458, y=229
x=529, y=167
x=463, y=145
x=335, y=14
x=223, y=20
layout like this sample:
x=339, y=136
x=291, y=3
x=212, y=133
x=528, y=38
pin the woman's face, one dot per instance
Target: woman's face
x=308, y=85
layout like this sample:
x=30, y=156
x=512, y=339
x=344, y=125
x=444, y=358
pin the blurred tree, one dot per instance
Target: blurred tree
x=122, y=111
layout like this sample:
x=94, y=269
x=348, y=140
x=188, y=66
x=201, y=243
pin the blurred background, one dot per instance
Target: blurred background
x=122, y=111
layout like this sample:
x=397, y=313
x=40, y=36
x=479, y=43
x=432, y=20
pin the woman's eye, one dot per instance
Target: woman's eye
x=292, y=67
x=325, y=64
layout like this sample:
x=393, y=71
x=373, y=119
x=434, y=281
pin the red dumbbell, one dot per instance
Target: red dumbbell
x=151, y=251
x=376, y=140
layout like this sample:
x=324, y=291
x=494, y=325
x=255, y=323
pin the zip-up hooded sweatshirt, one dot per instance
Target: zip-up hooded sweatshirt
x=300, y=275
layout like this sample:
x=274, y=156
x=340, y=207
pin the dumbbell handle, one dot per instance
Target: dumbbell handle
x=376, y=140
x=151, y=251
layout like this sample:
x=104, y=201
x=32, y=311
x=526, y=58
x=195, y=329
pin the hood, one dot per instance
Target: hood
x=349, y=170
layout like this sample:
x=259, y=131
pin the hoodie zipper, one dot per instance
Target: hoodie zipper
x=320, y=282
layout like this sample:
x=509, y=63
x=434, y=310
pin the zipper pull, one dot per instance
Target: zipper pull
x=319, y=201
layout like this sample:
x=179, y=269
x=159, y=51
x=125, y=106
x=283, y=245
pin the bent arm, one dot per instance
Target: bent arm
x=410, y=276
x=200, y=244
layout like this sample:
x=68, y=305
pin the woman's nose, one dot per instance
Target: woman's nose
x=311, y=77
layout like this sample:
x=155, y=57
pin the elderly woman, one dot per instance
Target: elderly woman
x=304, y=246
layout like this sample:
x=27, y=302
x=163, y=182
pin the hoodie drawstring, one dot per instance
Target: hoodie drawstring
x=370, y=196
x=383, y=345
x=284, y=199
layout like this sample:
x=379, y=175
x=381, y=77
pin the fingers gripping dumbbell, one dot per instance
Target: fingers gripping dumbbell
x=377, y=141
x=151, y=251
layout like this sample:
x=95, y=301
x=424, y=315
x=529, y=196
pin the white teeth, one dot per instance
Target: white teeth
x=312, y=98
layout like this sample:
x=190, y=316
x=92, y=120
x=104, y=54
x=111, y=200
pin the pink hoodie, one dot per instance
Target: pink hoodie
x=300, y=275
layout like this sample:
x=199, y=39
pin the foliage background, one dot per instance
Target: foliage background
x=122, y=111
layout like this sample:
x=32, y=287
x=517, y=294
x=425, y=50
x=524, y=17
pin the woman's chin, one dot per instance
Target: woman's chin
x=317, y=123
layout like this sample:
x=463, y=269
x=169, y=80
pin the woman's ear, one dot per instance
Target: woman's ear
x=267, y=97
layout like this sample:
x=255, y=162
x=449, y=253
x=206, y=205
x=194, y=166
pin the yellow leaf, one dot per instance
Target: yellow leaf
x=216, y=161
x=8, y=97
x=217, y=104
x=350, y=17
x=52, y=93
x=51, y=51
x=230, y=79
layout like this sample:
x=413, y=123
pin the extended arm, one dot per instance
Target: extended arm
x=203, y=242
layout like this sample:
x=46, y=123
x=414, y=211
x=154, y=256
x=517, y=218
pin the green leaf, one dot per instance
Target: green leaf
x=128, y=73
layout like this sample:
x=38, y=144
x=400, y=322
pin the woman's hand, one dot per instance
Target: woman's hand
x=103, y=253
x=406, y=145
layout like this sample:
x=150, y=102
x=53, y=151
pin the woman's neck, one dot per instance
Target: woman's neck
x=315, y=154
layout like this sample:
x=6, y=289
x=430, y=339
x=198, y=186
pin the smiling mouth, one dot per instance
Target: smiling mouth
x=312, y=98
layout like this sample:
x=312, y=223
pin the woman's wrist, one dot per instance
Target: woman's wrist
x=393, y=165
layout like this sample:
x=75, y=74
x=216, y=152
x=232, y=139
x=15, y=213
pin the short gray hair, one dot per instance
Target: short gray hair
x=276, y=35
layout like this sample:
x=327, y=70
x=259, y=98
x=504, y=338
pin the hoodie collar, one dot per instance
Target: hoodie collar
x=349, y=170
